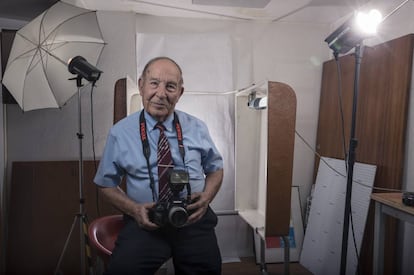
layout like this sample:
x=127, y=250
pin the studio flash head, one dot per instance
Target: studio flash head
x=78, y=65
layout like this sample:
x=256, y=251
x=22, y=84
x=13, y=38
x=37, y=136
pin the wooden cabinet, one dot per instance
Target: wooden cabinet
x=44, y=201
x=264, y=158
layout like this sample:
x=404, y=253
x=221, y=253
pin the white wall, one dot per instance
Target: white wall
x=11, y=24
x=293, y=53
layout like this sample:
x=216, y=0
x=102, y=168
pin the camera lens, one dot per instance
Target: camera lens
x=178, y=216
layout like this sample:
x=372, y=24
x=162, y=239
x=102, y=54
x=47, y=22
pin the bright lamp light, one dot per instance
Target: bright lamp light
x=368, y=22
x=353, y=31
x=356, y=29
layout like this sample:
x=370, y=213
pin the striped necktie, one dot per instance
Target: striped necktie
x=164, y=161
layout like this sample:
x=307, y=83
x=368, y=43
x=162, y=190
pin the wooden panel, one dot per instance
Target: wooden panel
x=380, y=125
x=120, y=100
x=44, y=202
x=281, y=119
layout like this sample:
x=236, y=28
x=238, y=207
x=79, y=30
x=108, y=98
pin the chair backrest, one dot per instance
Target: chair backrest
x=103, y=232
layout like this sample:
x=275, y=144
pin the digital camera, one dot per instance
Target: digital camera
x=174, y=211
x=408, y=198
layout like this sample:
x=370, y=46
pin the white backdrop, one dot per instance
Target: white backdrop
x=207, y=65
x=205, y=58
x=206, y=62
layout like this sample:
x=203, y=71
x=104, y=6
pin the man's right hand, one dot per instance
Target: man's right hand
x=142, y=218
x=139, y=211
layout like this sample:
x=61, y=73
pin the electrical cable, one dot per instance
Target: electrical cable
x=93, y=151
x=339, y=74
x=341, y=110
x=339, y=173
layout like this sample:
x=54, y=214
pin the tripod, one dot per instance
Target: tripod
x=80, y=217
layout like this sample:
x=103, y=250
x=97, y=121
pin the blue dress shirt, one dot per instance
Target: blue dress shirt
x=123, y=154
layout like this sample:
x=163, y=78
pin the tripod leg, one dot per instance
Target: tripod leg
x=88, y=250
x=287, y=255
x=66, y=244
x=263, y=266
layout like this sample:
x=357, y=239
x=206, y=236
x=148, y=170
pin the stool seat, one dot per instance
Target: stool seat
x=103, y=233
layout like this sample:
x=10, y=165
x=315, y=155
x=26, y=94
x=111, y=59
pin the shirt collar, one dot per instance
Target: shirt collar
x=168, y=123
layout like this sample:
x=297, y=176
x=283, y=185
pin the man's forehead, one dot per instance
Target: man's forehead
x=163, y=77
x=164, y=63
x=162, y=74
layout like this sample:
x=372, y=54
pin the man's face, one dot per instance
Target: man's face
x=160, y=88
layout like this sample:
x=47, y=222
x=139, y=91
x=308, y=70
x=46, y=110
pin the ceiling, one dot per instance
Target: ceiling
x=316, y=11
x=23, y=9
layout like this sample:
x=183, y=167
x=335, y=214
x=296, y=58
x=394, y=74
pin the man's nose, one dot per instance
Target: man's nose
x=162, y=90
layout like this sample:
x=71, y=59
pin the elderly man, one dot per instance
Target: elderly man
x=173, y=172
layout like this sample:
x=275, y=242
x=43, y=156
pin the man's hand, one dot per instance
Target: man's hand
x=201, y=201
x=139, y=211
x=199, y=205
x=141, y=216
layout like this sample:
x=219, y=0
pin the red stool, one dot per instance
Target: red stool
x=103, y=232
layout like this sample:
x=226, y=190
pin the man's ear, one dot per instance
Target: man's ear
x=182, y=91
x=140, y=83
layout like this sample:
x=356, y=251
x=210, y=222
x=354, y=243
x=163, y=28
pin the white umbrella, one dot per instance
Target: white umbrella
x=37, y=70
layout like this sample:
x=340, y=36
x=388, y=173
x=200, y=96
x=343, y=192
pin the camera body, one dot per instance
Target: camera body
x=174, y=211
x=408, y=198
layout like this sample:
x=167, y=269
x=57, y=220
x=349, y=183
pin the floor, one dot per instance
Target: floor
x=248, y=266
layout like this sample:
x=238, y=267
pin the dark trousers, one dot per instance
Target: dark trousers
x=193, y=248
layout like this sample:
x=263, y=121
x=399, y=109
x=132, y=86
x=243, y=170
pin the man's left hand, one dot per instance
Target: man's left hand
x=198, y=207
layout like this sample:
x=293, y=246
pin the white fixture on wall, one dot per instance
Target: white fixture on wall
x=257, y=4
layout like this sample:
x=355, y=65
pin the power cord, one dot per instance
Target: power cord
x=93, y=150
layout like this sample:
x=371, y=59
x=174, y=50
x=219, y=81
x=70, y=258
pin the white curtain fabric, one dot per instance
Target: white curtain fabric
x=205, y=58
x=207, y=63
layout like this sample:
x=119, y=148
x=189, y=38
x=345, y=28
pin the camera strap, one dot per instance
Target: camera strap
x=146, y=148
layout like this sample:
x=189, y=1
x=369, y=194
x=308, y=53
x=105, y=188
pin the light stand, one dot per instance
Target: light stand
x=350, y=35
x=353, y=142
x=342, y=40
x=78, y=65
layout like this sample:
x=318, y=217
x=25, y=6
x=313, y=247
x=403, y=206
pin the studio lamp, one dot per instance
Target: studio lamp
x=351, y=33
x=79, y=66
x=83, y=70
x=348, y=36
x=257, y=103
